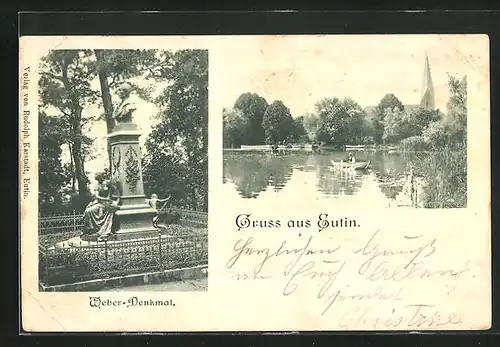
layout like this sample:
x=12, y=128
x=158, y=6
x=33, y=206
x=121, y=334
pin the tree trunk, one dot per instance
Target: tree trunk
x=205, y=198
x=106, y=96
x=76, y=150
x=194, y=202
x=72, y=166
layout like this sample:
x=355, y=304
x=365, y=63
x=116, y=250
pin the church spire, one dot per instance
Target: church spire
x=427, y=101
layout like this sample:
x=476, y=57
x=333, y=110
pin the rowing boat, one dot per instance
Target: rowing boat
x=362, y=165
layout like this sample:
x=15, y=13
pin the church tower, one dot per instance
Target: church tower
x=427, y=101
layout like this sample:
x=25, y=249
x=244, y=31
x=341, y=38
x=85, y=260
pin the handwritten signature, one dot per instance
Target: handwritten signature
x=414, y=316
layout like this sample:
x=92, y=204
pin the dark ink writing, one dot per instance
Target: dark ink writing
x=324, y=222
x=243, y=221
x=413, y=316
x=98, y=302
x=243, y=247
x=25, y=126
x=373, y=251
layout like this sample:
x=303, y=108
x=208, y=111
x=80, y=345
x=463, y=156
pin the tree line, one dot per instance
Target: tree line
x=175, y=161
x=338, y=122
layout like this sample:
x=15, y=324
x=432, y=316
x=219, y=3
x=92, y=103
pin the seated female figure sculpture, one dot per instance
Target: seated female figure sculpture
x=123, y=113
x=98, y=215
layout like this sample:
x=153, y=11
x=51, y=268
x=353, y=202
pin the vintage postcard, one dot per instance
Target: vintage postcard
x=255, y=183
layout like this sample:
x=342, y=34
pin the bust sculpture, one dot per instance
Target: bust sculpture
x=123, y=113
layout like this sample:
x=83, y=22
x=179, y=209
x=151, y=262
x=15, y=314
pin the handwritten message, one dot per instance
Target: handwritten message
x=365, y=282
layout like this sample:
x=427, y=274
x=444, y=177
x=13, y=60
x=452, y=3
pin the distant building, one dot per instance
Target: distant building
x=427, y=100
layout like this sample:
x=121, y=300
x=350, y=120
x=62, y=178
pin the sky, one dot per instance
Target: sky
x=301, y=70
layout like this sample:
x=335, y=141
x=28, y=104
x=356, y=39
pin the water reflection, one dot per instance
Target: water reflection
x=255, y=172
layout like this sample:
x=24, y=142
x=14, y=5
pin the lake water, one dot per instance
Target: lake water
x=274, y=178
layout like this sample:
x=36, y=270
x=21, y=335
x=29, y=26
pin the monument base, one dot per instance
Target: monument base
x=134, y=221
x=130, y=222
x=83, y=242
x=124, y=235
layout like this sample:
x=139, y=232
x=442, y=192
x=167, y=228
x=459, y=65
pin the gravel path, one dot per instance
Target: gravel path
x=178, y=286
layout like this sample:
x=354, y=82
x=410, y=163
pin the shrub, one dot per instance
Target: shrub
x=169, y=217
x=414, y=143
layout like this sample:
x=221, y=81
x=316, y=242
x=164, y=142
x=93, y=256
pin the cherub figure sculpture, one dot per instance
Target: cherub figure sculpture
x=158, y=205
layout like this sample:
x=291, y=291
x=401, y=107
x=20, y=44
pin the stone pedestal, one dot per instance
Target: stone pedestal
x=134, y=219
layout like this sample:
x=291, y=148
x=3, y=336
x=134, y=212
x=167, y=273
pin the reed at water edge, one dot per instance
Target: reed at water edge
x=445, y=174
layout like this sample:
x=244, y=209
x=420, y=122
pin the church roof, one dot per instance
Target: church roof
x=427, y=84
x=409, y=108
x=370, y=110
x=427, y=96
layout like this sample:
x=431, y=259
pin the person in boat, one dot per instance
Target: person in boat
x=351, y=158
x=99, y=213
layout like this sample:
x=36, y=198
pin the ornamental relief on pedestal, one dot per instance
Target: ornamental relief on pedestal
x=116, y=160
x=131, y=168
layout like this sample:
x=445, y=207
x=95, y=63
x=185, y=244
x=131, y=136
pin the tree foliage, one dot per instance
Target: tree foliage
x=310, y=122
x=234, y=128
x=176, y=163
x=253, y=122
x=252, y=107
x=451, y=130
x=399, y=125
x=457, y=104
x=388, y=102
x=339, y=121
x=65, y=85
x=51, y=172
x=298, y=132
x=277, y=123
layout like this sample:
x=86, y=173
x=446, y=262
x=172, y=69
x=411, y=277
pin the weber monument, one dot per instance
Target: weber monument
x=134, y=218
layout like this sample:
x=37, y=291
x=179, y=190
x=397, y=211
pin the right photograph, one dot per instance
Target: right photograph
x=353, y=121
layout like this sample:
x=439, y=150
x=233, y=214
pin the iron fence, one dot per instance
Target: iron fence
x=189, y=218
x=59, y=223
x=72, y=222
x=106, y=259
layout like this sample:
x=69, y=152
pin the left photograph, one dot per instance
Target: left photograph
x=123, y=170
